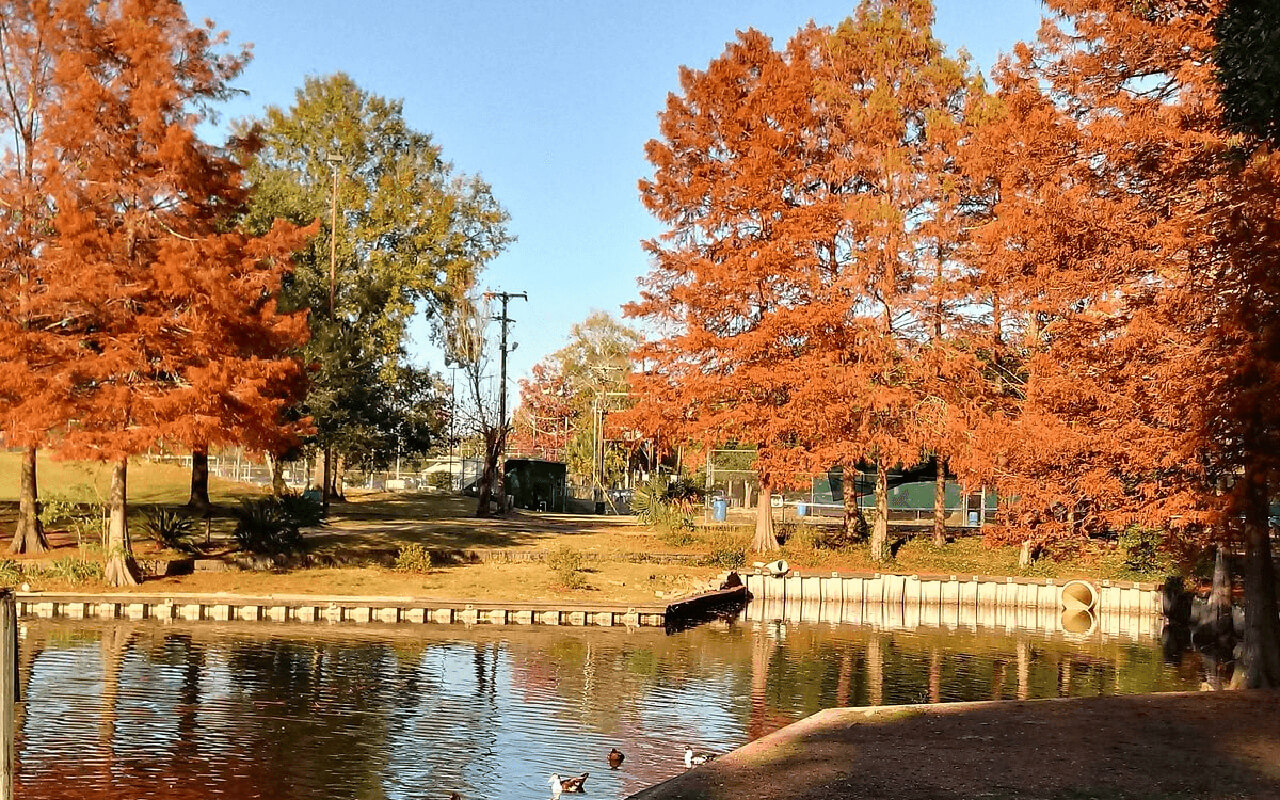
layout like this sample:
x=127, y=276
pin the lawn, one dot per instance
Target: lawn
x=624, y=562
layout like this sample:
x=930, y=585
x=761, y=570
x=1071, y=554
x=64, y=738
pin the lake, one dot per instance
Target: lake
x=182, y=711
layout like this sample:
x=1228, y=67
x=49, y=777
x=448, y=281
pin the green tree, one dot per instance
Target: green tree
x=411, y=237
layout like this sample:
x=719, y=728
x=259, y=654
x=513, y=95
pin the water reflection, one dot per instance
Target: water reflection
x=147, y=710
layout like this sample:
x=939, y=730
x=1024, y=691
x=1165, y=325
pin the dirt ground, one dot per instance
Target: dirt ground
x=1205, y=746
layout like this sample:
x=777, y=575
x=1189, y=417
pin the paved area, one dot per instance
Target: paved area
x=1185, y=746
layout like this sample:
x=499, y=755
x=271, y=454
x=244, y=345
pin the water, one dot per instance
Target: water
x=174, y=711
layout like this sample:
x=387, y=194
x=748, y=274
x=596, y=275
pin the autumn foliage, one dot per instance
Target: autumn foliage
x=136, y=313
x=1064, y=285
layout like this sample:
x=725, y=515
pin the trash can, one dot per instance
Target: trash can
x=719, y=509
x=599, y=506
x=802, y=509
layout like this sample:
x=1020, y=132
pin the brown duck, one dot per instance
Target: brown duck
x=615, y=758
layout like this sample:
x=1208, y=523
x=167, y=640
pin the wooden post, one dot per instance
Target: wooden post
x=8, y=688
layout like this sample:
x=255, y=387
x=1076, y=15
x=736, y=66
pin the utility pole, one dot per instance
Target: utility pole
x=502, y=380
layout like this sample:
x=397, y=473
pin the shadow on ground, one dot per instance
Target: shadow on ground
x=1207, y=746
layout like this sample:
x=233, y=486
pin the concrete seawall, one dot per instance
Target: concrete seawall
x=354, y=609
x=331, y=609
x=1128, y=608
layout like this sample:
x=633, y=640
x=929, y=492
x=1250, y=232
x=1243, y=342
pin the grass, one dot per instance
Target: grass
x=90, y=481
x=369, y=531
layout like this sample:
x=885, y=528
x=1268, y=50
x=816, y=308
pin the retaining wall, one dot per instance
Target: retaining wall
x=1128, y=608
x=336, y=609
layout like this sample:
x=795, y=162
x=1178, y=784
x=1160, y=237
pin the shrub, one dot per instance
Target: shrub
x=566, y=564
x=169, y=528
x=10, y=572
x=74, y=570
x=308, y=511
x=440, y=481
x=728, y=551
x=414, y=557
x=265, y=527
x=83, y=519
x=1142, y=553
x=656, y=507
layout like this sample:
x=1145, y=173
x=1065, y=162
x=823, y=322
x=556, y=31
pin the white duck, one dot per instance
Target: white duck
x=568, y=785
x=692, y=759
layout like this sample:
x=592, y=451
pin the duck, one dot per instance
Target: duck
x=568, y=785
x=692, y=759
x=615, y=758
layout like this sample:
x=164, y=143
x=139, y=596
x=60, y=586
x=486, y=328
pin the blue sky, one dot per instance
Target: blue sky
x=551, y=102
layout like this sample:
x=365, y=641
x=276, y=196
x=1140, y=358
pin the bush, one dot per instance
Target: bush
x=169, y=528
x=265, y=527
x=1142, y=552
x=440, y=481
x=655, y=505
x=566, y=564
x=308, y=511
x=74, y=570
x=414, y=557
x=728, y=551
x=10, y=572
x=82, y=519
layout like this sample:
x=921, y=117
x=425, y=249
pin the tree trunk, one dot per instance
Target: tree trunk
x=199, y=500
x=326, y=480
x=1027, y=554
x=855, y=523
x=1220, y=597
x=880, y=531
x=121, y=569
x=278, y=487
x=28, y=536
x=488, y=476
x=940, y=504
x=764, y=541
x=336, y=475
x=1261, y=620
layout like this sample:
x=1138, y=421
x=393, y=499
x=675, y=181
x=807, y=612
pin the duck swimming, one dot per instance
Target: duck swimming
x=568, y=785
x=615, y=758
x=692, y=759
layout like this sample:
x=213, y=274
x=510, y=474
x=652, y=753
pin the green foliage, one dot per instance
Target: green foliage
x=265, y=527
x=1247, y=61
x=74, y=570
x=655, y=506
x=411, y=237
x=440, y=481
x=728, y=549
x=1142, y=550
x=169, y=528
x=83, y=519
x=308, y=511
x=10, y=573
x=414, y=557
x=566, y=564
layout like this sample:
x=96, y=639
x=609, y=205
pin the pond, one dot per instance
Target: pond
x=200, y=710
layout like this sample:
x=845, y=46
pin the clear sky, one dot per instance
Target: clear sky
x=551, y=102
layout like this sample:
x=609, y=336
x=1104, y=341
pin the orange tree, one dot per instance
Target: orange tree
x=159, y=305
x=1152, y=327
x=808, y=277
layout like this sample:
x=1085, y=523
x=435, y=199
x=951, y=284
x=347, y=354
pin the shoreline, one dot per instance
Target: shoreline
x=314, y=608
x=1202, y=745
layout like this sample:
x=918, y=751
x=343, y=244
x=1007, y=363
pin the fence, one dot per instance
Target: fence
x=732, y=493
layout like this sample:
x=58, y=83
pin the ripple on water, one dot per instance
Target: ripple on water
x=174, y=712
